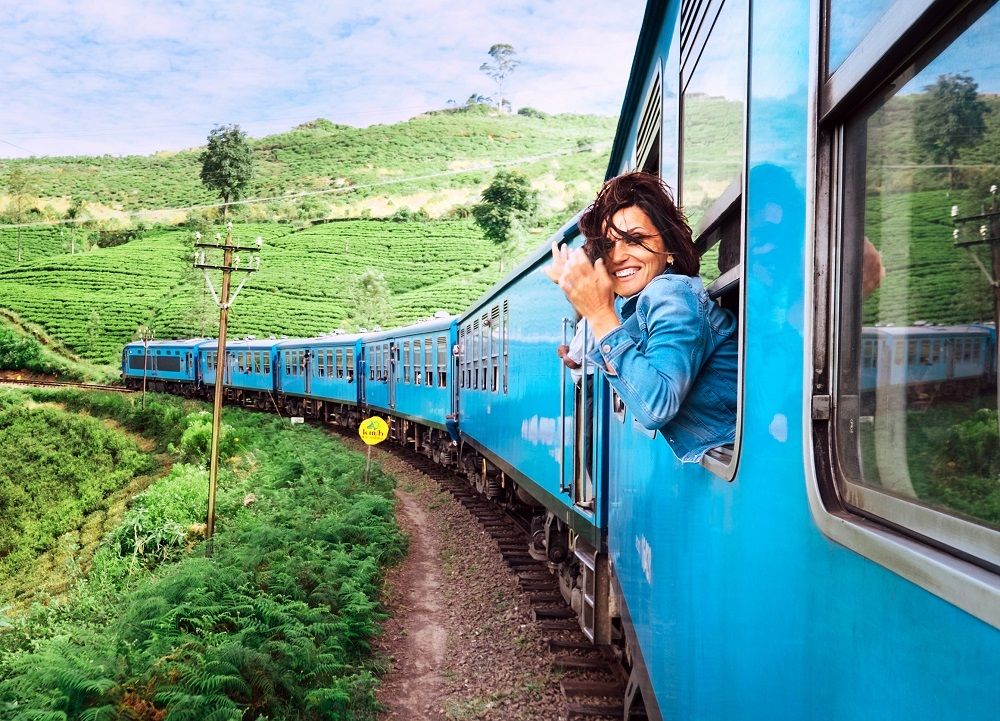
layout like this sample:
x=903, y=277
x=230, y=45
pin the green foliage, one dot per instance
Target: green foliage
x=974, y=445
x=504, y=63
x=227, y=162
x=529, y=112
x=507, y=201
x=18, y=352
x=369, y=296
x=159, y=524
x=56, y=468
x=196, y=439
x=949, y=117
x=275, y=625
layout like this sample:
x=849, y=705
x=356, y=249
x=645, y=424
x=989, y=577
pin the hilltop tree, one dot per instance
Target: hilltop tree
x=20, y=186
x=502, y=66
x=508, y=203
x=949, y=116
x=227, y=164
x=369, y=296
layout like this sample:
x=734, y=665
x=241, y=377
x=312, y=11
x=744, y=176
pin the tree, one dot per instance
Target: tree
x=20, y=186
x=227, y=164
x=369, y=296
x=502, y=66
x=508, y=203
x=949, y=116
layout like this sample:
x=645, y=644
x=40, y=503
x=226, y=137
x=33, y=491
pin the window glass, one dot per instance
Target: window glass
x=267, y=362
x=920, y=168
x=350, y=364
x=428, y=362
x=850, y=22
x=442, y=353
x=712, y=128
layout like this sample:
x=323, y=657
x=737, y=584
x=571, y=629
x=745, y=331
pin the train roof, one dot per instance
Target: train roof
x=331, y=339
x=240, y=343
x=913, y=331
x=425, y=326
x=186, y=343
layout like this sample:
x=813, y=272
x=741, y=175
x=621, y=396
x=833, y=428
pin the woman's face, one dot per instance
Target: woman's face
x=632, y=266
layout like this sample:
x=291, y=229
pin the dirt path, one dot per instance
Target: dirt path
x=417, y=636
x=461, y=643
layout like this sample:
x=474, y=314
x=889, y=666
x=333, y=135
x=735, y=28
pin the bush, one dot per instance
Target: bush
x=196, y=439
x=161, y=520
x=532, y=113
x=973, y=446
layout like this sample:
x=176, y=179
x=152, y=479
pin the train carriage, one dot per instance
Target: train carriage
x=812, y=570
x=522, y=424
x=409, y=375
x=163, y=365
x=319, y=376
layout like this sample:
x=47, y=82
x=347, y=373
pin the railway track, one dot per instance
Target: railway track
x=593, y=678
x=65, y=384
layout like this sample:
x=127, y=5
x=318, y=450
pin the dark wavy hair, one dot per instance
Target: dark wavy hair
x=650, y=194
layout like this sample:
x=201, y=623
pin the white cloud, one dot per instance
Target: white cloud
x=134, y=77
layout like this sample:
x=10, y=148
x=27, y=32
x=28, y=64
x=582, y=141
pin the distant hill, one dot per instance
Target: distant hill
x=349, y=172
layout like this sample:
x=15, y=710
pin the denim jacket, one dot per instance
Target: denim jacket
x=673, y=362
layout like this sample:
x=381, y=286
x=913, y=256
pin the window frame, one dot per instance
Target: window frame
x=937, y=551
x=729, y=208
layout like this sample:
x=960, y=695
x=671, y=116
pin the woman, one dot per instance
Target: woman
x=664, y=345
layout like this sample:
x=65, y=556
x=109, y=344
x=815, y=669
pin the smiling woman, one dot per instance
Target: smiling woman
x=666, y=348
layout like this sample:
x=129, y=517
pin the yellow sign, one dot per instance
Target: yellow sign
x=373, y=430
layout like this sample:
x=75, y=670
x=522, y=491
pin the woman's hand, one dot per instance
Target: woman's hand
x=587, y=286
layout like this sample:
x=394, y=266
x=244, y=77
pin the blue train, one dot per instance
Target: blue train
x=840, y=560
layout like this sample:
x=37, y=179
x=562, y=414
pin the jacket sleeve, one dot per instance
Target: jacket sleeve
x=654, y=381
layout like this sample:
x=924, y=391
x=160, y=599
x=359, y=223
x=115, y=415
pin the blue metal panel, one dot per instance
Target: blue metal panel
x=328, y=378
x=524, y=426
x=246, y=367
x=390, y=392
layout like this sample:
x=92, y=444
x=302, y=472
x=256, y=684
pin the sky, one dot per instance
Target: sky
x=121, y=77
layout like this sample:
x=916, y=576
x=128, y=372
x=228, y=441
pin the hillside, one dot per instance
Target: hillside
x=94, y=302
x=351, y=171
x=87, y=286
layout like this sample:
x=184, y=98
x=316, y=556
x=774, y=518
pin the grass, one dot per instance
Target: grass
x=276, y=624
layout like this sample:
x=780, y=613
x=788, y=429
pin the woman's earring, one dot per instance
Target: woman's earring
x=670, y=260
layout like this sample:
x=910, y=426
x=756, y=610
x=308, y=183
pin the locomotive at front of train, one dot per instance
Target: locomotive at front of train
x=409, y=378
x=746, y=589
x=523, y=435
x=170, y=366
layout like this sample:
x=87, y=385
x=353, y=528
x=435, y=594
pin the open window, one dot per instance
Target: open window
x=711, y=184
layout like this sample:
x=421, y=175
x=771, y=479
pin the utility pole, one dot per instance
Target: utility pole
x=145, y=335
x=988, y=234
x=231, y=263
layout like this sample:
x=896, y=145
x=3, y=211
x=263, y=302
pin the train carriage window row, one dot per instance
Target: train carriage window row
x=484, y=351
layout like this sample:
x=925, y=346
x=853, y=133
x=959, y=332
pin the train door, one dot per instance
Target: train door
x=583, y=423
x=392, y=375
x=307, y=365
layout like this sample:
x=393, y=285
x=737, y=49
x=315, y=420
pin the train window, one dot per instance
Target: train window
x=475, y=353
x=417, y=361
x=850, y=22
x=495, y=349
x=714, y=101
x=339, y=353
x=442, y=346
x=266, y=362
x=349, y=362
x=329, y=363
x=918, y=445
x=506, y=344
x=428, y=362
x=406, y=362
x=484, y=351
